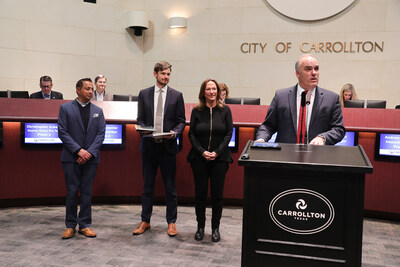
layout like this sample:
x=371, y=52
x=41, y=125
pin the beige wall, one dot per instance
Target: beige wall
x=69, y=39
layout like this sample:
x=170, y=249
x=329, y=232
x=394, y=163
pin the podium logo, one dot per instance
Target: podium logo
x=301, y=211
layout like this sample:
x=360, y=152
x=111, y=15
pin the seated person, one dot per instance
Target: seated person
x=100, y=93
x=224, y=92
x=46, y=83
x=347, y=93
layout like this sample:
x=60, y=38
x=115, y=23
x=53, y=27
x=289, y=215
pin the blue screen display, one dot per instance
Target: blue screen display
x=348, y=140
x=232, y=143
x=47, y=133
x=389, y=144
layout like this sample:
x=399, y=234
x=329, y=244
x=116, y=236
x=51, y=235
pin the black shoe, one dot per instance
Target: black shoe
x=199, y=234
x=215, y=236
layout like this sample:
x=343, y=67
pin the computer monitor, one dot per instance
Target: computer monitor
x=121, y=97
x=234, y=142
x=19, y=94
x=45, y=136
x=233, y=100
x=350, y=139
x=251, y=101
x=3, y=93
x=376, y=103
x=354, y=104
x=387, y=146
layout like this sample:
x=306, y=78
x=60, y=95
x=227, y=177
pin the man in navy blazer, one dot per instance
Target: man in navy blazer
x=325, y=121
x=81, y=128
x=46, y=84
x=160, y=152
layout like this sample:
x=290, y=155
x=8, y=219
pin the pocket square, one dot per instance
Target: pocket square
x=95, y=115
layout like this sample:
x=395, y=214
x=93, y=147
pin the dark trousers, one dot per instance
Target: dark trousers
x=151, y=160
x=214, y=171
x=79, y=178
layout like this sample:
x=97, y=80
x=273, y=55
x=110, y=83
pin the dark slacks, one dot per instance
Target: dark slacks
x=214, y=171
x=151, y=160
x=79, y=178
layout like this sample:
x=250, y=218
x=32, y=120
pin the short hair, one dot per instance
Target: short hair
x=162, y=65
x=202, y=98
x=223, y=87
x=45, y=79
x=99, y=77
x=79, y=84
x=297, y=64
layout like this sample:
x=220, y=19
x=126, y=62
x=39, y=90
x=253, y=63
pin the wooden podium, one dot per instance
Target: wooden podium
x=303, y=205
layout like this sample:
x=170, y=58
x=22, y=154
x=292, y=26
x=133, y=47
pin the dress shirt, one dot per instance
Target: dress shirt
x=99, y=97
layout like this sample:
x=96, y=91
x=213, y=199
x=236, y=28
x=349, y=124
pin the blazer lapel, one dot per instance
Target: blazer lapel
x=318, y=98
x=77, y=113
x=151, y=104
x=91, y=112
x=167, y=100
x=293, y=105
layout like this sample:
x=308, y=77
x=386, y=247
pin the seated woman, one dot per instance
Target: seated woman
x=347, y=93
x=224, y=92
x=210, y=131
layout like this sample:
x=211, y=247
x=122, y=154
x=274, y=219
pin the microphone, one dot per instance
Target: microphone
x=303, y=98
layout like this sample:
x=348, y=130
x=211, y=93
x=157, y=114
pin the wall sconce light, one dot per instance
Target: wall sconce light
x=137, y=21
x=177, y=22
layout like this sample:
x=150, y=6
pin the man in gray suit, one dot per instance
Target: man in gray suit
x=100, y=94
x=323, y=115
x=81, y=128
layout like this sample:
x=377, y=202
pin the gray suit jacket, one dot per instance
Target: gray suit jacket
x=326, y=117
x=73, y=135
x=107, y=96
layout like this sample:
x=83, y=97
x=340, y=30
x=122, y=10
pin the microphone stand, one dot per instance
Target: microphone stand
x=301, y=117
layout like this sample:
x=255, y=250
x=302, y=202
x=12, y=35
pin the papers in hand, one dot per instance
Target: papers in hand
x=159, y=135
x=144, y=129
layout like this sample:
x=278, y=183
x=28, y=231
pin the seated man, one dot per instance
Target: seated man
x=46, y=84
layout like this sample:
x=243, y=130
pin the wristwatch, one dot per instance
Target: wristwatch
x=323, y=137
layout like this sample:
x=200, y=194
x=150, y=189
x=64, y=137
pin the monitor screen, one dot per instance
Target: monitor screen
x=273, y=138
x=233, y=100
x=251, y=101
x=234, y=143
x=387, y=146
x=45, y=135
x=350, y=139
x=354, y=104
x=376, y=103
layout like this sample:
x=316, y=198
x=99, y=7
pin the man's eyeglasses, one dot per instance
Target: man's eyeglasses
x=45, y=86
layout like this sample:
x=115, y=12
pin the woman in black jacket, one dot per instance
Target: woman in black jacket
x=210, y=132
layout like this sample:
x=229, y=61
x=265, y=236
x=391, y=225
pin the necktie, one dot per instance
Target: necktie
x=46, y=96
x=159, y=112
x=301, y=128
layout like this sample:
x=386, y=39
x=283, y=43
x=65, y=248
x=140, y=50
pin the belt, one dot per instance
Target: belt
x=158, y=140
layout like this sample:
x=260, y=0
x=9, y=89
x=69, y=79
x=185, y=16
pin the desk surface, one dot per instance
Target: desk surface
x=327, y=158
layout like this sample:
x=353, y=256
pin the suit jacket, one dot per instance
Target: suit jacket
x=53, y=95
x=326, y=117
x=107, y=96
x=174, y=116
x=74, y=136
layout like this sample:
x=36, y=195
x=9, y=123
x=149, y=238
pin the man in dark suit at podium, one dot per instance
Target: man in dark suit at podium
x=46, y=84
x=163, y=108
x=321, y=120
x=81, y=128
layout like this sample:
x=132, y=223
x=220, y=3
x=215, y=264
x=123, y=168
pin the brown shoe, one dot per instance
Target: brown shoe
x=87, y=232
x=68, y=233
x=141, y=228
x=172, y=229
